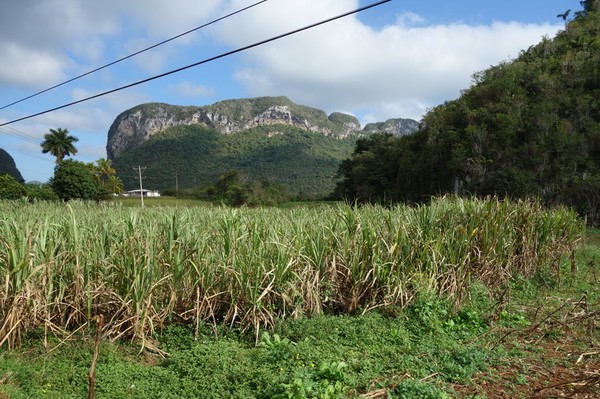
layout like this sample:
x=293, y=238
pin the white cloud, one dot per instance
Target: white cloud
x=30, y=69
x=188, y=89
x=46, y=41
x=409, y=19
x=346, y=64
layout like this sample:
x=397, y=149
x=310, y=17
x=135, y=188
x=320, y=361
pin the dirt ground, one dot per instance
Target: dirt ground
x=556, y=363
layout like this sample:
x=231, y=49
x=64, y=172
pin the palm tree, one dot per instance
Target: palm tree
x=114, y=185
x=102, y=170
x=59, y=143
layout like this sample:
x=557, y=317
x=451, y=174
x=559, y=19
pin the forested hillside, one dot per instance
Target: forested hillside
x=526, y=128
x=304, y=163
x=267, y=139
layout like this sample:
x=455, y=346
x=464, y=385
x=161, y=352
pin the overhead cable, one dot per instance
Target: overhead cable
x=238, y=50
x=20, y=135
x=133, y=55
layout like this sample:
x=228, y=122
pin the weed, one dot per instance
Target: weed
x=325, y=383
x=415, y=389
x=277, y=348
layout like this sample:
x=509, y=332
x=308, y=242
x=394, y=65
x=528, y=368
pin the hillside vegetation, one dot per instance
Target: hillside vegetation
x=268, y=139
x=303, y=162
x=526, y=128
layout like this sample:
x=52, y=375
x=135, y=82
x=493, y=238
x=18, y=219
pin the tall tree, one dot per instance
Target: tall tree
x=102, y=170
x=59, y=143
x=106, y=178
x=74, y=180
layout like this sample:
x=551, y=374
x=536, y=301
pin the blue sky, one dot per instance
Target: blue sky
x=395, y=60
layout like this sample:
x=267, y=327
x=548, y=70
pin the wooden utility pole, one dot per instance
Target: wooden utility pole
x=139, y=169
x=92, y=375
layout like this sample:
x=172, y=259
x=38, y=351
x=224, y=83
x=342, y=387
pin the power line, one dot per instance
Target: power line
x=20, y=135
x=134, y=54
x=238, y=50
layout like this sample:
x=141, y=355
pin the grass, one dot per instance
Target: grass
x=145, y=268
x=327, y=302
x=427, y=350
x=160, y=201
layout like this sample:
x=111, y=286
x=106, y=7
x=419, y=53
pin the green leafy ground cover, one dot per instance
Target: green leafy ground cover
x=540, y=339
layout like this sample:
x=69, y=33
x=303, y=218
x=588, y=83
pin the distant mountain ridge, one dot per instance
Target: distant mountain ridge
x=140, y=123
x=269, y=139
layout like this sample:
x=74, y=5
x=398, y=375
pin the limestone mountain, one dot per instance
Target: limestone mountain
x=397, y=127
x=7, y=165
x=140, y=123
x=267, y=138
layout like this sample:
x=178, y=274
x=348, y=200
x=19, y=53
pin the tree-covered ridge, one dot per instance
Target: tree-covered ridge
x=530, y=127
x=190, y=156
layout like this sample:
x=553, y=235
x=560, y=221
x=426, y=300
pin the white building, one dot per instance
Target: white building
x=144, y=192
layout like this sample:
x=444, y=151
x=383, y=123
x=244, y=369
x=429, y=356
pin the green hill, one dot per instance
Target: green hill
x=526, y=128
x=268, y=139
x=303, y=162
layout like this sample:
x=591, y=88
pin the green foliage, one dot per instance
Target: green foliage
x=343, y=119
x=326, y=383
x=278, y=348
x=371, y=172
x=414, y=389
x=526, y=128
x=106, y=178
x=10, y=188
x=510, y=182
x=278, y=155
x=236, y=190
x=74, y=180
x=59, y=143
x=40, y=192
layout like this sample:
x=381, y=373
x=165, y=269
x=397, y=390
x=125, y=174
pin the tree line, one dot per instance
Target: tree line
x=526, y=128
x=71, y=180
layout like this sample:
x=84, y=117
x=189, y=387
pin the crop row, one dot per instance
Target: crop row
x=62, y=265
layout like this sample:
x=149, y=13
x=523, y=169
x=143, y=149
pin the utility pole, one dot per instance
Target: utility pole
x=139, y=169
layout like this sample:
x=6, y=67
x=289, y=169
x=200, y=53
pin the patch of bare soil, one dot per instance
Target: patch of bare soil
x=559, y=358
x=554, y=370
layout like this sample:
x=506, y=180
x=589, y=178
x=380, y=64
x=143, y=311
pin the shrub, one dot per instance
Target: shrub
x=74, y=180
x=10, y=188
x=40, y=192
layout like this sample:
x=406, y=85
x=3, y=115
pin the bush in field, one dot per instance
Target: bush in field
x=40, y=192
x=235, y=189
x=10, y=188
x=74, y=180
